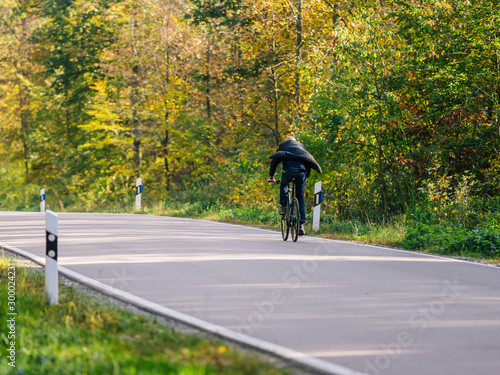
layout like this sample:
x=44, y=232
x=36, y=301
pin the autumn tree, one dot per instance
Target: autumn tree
x=451, y=91
x=17, y=71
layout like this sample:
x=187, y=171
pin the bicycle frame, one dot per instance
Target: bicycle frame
x=292, y=185
x=291, y=220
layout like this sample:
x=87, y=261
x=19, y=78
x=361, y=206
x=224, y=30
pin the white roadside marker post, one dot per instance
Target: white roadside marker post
x=318, y=198
x=42, y=200
x=138, y=193
x=51, y=272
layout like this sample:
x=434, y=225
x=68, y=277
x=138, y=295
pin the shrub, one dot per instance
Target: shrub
x=484, y=242
x=453, y=240
x=421, y=236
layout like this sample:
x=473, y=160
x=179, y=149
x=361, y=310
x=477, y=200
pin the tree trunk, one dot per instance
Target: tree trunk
x=23, y=103
x=380, y=158
x=165, y=139
x=274, y=76
x=207, y=88
x=164, y=143
x=23, y=100
x=382, y=181
x=298, y=49
x=135, y=120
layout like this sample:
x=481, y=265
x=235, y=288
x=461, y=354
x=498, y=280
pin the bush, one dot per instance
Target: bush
x=453, y=241
x=483, y=242
x=422, y=236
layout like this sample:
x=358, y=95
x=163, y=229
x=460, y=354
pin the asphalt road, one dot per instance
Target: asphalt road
x=371, y=309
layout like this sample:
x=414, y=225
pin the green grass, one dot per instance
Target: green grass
x=87, y=335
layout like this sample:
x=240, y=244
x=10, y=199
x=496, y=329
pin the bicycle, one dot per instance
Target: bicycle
x=290, y=221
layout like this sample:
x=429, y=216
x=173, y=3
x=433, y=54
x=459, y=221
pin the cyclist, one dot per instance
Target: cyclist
x=297, y=163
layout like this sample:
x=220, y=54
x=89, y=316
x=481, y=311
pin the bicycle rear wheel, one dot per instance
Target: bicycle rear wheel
x=295, y=219
x=284, y=226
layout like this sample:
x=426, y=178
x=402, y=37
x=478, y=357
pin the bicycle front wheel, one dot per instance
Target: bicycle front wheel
x=295, y=219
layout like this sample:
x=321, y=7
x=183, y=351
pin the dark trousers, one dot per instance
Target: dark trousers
x=300, y=176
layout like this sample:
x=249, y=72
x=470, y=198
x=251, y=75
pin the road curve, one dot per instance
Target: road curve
x=372, y=309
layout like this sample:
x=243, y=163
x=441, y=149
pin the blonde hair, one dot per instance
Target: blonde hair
x=290, y=138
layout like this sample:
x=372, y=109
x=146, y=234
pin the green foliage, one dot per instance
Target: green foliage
x=453, y=221
x=15, y=194
x=450, y=95
x=458, y=241
x=224, y=13
x=478, y=242
x=422, y=236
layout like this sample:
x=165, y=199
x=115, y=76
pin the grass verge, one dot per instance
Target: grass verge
x=88, y=335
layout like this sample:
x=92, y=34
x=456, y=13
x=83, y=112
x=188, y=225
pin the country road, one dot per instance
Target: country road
x=371, y=309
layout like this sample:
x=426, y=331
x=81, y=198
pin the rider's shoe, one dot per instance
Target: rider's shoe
x=282, y=211
x=302, y=232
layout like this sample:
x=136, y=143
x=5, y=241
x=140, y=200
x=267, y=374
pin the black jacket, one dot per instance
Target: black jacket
x=294, y=155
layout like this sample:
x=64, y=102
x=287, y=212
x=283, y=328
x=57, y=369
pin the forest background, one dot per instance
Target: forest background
x=397, y=100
